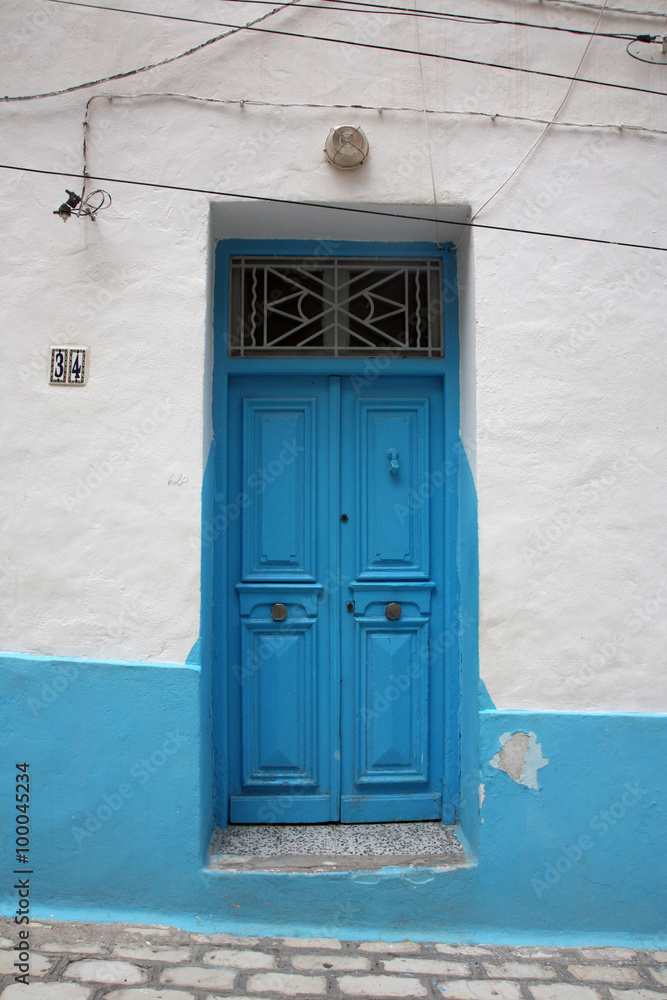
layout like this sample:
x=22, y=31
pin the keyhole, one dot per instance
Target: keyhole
x=344, y=517
x=350, y=606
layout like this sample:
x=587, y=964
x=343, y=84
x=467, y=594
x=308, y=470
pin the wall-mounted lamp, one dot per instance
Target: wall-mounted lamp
x=346, y=147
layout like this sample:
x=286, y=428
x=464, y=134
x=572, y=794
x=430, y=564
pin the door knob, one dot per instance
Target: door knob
x=393, y=611
x=392, y=455
x=278, y=612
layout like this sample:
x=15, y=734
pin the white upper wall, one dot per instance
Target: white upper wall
x=562, y=341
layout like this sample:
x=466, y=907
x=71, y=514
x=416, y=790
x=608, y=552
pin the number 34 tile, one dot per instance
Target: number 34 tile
x=68, y=365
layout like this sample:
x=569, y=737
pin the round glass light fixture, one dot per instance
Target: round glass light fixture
x=346, y=147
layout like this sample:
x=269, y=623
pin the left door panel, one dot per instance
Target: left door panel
x=283, y=685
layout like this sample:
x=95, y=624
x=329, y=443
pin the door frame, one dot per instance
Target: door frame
x=225, y=510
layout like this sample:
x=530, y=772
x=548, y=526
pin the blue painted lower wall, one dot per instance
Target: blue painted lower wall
x=121, y=808
x=120, y=805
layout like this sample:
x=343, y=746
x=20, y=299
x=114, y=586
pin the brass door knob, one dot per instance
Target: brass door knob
x=393, y=611
x=278, y=612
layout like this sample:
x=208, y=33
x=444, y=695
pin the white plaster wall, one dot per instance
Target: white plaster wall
x=563, y=342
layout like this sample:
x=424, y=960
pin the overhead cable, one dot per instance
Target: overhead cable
x=380, y=108
x=547, y=126
x=162, y=62
x=334, y=208
x=427, y=135
x=385, y=9
x=566, y=3
x=251, y=26
x=651, y=62
x=608, y=10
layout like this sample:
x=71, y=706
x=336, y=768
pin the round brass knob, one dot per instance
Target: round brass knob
x=278, y=612
x=393, y=611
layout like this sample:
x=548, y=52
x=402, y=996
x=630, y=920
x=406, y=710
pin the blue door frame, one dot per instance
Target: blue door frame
x=239, y=612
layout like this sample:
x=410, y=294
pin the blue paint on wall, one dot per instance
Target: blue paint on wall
x=116, y=800
x=485, y=701
x=119, y=811
x=194, y=656
x=468, y=571
x=121, y=804
x=206, y=659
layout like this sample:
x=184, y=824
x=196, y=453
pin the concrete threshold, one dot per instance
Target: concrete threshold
x=335, y=847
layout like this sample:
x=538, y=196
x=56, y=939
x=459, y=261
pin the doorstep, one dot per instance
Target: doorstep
x=309, y=847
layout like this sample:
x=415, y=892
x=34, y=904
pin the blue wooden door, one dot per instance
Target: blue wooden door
x=391, y=552
x=337, y=705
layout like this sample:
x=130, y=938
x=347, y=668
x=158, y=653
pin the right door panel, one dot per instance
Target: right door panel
x=392, y=743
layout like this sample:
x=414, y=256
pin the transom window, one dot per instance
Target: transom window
x=335, y=307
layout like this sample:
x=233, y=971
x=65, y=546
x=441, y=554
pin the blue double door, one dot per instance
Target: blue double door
x=336, y=690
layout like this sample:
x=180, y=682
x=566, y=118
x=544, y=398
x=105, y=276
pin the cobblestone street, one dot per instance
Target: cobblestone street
x=81, y=961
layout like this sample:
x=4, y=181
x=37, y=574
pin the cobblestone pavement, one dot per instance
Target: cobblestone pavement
x=79, y=961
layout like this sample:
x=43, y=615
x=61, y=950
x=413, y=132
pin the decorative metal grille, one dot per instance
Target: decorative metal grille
x=336, y=307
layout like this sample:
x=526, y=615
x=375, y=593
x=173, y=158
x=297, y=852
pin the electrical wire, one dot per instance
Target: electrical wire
x=608, y=10
x=492, y=115
x=547, y=126
x=385, y=9
x=428, y=137
x=566, y=3
x=323, y=38
x=88, y=208
x=651, y=62
x=162, y=62
x=335, y=208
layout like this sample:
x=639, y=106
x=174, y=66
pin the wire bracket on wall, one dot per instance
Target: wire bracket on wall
x=87, y=206
x=657, y=54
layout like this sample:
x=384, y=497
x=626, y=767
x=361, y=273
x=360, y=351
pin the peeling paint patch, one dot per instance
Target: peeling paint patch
x=520, y=756
x=482, y=795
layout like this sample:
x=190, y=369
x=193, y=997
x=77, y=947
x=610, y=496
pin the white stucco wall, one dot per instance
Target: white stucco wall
x=562, y=347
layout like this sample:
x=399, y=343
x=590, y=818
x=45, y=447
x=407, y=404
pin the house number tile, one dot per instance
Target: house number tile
x=68, y=365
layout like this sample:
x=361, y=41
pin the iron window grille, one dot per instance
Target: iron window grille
x=335, y=307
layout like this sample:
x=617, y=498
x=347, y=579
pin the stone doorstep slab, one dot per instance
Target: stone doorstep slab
x=335, y=847
x=370, y=839
x=333, y=863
